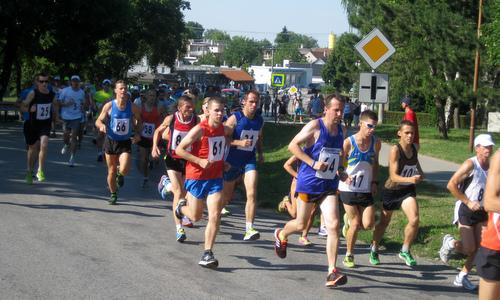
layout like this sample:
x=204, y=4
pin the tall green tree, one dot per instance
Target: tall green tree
x=288, y=44
x=217, y=35
x=341, y=69
x=242, y=51
x=194, y=30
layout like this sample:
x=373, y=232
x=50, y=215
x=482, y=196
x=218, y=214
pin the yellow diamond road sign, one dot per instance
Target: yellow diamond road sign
x=375, y=48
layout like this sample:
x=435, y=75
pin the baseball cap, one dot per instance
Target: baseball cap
x=484, y=140
x=57, y=77
x=75, y=78
x=106, y=81
x=406, y=100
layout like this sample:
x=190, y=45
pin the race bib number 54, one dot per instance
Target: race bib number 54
x=216, y=146
x=331, y=156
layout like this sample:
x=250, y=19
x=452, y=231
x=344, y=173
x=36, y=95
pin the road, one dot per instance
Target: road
x=61, y=240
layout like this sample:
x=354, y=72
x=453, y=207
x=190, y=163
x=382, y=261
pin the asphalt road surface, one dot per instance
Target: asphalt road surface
x=61, y=240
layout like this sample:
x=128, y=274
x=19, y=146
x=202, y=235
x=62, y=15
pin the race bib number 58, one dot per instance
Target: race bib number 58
x=216, y=146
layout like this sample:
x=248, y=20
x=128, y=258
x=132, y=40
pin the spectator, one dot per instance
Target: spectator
x=412, y=117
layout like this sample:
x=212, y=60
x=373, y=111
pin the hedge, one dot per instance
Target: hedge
x=424, y=119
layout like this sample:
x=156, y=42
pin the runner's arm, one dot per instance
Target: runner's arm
x=260, y=146
x=55, y=111
x=393, y=168
x=231, y=124
x=136, y=112
x=100, y=121
x=375, y=166
x=492, y=192
x=25, y=104
x=460, y=175
x=288, y=166
x=306, y=136
x=155, y=151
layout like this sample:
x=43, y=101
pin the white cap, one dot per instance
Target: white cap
x=75, y=78
x=106, y=81
x=484, y=140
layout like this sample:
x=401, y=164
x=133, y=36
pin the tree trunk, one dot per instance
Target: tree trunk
x=441, y=118
x=456, y=118
x=448, y=108
x=19, y=76
x=9, y=55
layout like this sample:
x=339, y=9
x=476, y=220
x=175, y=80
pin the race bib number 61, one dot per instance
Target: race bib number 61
x=216, y=147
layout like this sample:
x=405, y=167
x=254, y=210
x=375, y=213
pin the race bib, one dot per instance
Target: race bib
x=43, y=111
x=409, y=171
x=359, y=181
x=121, y=126
x=252, y=135
x=331, y=156
x=216, y=146
x=177, y=137
x=148, y=129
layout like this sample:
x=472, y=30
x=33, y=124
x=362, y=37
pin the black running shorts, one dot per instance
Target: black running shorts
x=315, y=198
x=392, y=199
x=488, y=264
x=470, y=218
x=145, y=143
x=175, y=164
x=353, y=198
x=112, y=147
x=33, y=132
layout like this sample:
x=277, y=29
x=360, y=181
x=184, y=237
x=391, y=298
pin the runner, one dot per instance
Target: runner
x=399, y=192
x=289, y=203
x=72, y=100
x=467, y=186
x=151, y=118
x=102, y=97
x=204, y=170
x=42, y=106
x=246, y=128
x=361, y=152
x=116, y=120
x=488, y=255
x=317, y=181
x=173, y=129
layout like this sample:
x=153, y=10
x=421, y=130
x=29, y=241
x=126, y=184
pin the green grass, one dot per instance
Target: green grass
x=436, y=204
x=455, y=149
x=9, y=99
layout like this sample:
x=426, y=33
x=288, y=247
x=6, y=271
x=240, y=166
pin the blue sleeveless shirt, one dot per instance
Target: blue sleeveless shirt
x=326, y=149
x=120, y=122
x=245, y=129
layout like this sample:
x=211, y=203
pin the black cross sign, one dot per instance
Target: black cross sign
x=373, y=88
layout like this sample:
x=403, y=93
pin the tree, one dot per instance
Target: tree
x=194, y=30
x=242, y=51
x=217, y=35
x=288, y=44
x=210, y=59
x=341, y=69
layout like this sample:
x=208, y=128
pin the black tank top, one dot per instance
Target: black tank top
x=407, y=167
x=43, y=103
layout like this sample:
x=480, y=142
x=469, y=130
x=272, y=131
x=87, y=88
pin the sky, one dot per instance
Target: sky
x=261, y=19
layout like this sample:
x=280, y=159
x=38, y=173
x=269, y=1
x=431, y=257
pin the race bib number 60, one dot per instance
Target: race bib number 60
x=216, y=146
x=331, y=156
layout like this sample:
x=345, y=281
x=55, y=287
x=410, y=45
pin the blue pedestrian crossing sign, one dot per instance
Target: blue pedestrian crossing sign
x=278, y=79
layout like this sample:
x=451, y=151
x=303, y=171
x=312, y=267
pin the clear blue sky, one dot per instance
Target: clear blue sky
x=261, y=19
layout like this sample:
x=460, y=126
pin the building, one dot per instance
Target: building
x=300, y=77
x=198, y=48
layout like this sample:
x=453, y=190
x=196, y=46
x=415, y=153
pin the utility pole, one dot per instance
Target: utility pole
x=475, y=84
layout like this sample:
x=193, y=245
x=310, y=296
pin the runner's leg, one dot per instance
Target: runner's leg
x=329, y=208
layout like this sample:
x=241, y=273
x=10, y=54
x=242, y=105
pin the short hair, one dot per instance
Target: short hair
x=216, y=100
x=41, y=74
x=405, y=123
x=121, y=81
x=205, y=100
x=336, y=96
x=368, y=115
x=183, y=99
x=256, y=94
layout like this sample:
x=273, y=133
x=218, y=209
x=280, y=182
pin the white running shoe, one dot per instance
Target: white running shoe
x=71, y=162
x=465, y=283
x=64, y=149
x=444, y=252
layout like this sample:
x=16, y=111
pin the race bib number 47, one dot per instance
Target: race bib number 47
x=216, y=147
x=331, y=156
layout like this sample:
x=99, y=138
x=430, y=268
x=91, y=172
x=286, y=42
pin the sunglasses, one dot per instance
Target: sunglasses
x=371, y=126
x=43, y=81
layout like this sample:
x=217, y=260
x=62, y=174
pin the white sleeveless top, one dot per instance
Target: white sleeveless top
x=473, y=186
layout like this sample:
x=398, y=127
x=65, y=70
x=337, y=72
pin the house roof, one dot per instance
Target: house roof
x=320, y=53
x=237, y=75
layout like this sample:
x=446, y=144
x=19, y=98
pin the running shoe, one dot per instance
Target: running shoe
x=282, y=204
x=113, y=198
x=349, y=261
x=120, y=179
x=71, y=162
x=406, y=256
x=178, y=213
x=345, y=228
x=180, y=235
x=304, y=241
x=251, y=234
x=335, y=278
x=225, y=211
x=374, y=260
x=29, y=177
x=279, y=245
x=208, y=260
x=464, y=282
x=322, y=231
x=186, y=222
x=444, y=252
x=40, y=175
x=64, y=149
x=161, y=184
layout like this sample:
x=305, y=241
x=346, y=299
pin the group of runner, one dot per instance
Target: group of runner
x=206, y=156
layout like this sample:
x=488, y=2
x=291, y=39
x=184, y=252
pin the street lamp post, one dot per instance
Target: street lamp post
x=476, y=78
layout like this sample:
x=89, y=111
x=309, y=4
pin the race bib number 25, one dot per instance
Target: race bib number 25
x=43, y=111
